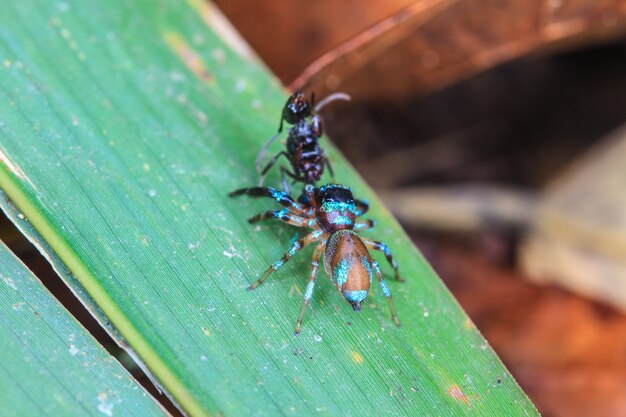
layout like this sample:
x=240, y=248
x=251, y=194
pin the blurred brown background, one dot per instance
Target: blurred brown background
x=492, y=129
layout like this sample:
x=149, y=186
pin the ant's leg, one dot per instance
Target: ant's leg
x=283, y=178
x=281, y=197
x=272, y=161
x=361, y=207
x=269, y=166
x=382, y=247
x=308, y=293
x=284, y=216
x=267, y=144
x=295, y=247
x=364, y=224
x=330, y=168
x=387, y=292
x=293, y=176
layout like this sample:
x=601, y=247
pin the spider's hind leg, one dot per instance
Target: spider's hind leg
x=382, y=247
x=387, y=292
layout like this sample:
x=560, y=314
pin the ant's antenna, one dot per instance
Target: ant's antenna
x=329, y=99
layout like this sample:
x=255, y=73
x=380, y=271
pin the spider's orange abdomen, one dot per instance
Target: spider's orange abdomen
x=350, y=266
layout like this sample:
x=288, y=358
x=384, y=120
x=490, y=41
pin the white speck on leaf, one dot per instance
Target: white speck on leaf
x=8, y=281
x=202, y=118
x=218, y=54
x=177, y=76
x=105, y=407
x=197, y=39
x=152, y=193
x=192, y=246
x=73, y=350
x=317, y=338
x=64, y=7
x=240, y=85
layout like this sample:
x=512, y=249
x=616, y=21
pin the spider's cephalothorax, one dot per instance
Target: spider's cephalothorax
x=331, y=211
x=303, y=152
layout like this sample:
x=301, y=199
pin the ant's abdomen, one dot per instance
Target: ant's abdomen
x=349, y=265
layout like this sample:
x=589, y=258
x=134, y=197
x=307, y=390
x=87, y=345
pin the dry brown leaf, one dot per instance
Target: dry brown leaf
x=578, y=237
x=289, y=35
x=434, y=43
x=567, y=352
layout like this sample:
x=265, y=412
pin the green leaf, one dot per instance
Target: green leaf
x=49, y=364
x=123, y=125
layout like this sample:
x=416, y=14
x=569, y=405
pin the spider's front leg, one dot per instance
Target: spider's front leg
x=295, y=247
x=364, y=224
x=285, y=216
x=361, y=207
x=281, y=197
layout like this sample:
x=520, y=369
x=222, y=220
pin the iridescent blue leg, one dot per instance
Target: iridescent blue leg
x=284, y=216
x=295, y=247
x=382, y=247
x=280, y=196
x=364, y=224
x=387, y=292
x=308, y=293
x=361, y=207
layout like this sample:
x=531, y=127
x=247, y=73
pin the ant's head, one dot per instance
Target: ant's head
x=296, y=108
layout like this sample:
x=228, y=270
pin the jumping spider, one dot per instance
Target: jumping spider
x=331, y=212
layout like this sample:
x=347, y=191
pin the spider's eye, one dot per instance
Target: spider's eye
x=336, y=194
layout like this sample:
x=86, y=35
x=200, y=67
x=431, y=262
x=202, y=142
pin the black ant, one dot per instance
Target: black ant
x=303, y=151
